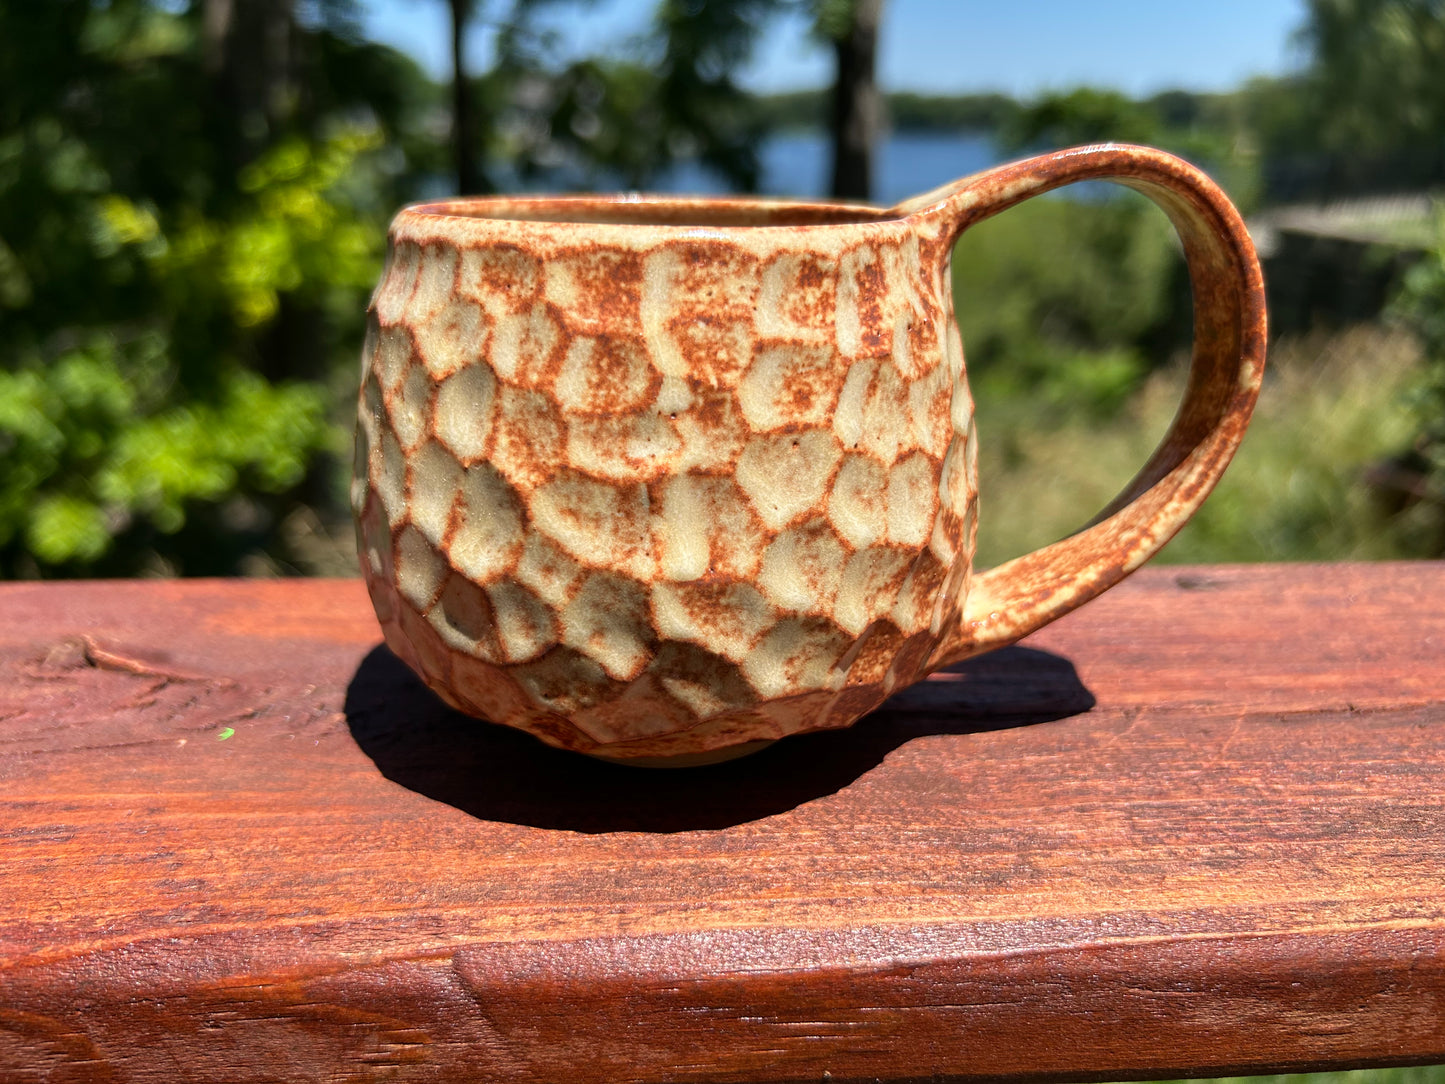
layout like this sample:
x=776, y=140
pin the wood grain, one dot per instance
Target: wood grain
x=1196, y=827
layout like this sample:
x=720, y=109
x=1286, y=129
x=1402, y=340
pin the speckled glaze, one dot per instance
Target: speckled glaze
x=660, y=480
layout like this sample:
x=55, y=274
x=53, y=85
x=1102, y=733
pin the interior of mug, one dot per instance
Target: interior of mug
x=650, y=210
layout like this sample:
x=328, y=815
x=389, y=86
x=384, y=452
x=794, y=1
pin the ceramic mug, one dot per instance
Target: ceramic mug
x=662, y=480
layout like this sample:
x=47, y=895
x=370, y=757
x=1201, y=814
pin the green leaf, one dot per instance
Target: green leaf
x=65, y=528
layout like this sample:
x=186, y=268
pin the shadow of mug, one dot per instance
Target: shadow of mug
x=496, y=773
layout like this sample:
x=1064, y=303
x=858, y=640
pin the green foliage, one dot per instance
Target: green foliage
x=1207, y=129
x=602, y=124
x=1298, y=489
x=905, y=110
x=189, y=228
x=1083, y=115
x=93, y=446
x=1420, y=306
x=1418, y=1074
x=937, y=113
x=700, y=45
x=792, y=110
x=1280, y=115
x=173, y=313
x=599, y=123
x=1376, y=72
x=1068, y=304
x=129, y=421
x=1364, y=115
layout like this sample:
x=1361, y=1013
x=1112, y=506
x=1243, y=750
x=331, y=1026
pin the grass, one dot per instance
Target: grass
x=1425, y=1074
x=1332, y=405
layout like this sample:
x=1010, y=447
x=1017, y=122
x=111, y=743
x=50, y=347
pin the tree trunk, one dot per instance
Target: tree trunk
x=856, y=106
x=464, y=136
x=247, y=53
x=216, y=16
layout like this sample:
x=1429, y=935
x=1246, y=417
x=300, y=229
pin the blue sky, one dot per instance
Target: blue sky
x=943, y=46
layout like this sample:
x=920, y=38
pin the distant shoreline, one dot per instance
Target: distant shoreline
x=904, y=111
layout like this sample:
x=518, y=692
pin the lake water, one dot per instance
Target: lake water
x=799, y=163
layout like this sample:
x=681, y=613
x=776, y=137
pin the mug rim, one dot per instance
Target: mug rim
x=648, y=210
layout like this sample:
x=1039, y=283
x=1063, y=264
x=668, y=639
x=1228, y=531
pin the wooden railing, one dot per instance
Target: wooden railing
x=1197, y=827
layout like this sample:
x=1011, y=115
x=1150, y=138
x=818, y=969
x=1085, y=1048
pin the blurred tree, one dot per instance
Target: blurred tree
x=1367, y=111
x=851, y=27
x=247, y=54
x=190, y=213
x=475, y=103
x=1083, y=115
x=593, y=123
x=1375, y=78
x=1208, y=130
x=702, y=44
x=676, y=98
x=466, y=146
x=966, y=112
x=1375, y=93
x=1416, y=475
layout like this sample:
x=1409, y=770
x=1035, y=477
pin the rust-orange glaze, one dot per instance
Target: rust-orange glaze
x=662, y=478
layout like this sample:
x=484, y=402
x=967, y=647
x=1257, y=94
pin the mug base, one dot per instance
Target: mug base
x=689, y=760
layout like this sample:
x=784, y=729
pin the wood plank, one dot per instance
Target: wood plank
x=1196, y=827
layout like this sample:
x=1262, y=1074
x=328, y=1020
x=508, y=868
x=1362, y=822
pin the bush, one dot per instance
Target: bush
x=1297, y=490
x=1069, y=304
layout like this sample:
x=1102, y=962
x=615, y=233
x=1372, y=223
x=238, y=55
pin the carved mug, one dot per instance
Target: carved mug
x=662, y=480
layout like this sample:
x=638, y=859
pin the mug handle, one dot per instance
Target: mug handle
x=1012, y=600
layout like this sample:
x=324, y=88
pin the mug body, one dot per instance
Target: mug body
x=657, y=478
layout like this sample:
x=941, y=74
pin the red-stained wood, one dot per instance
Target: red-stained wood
x=1196, y=827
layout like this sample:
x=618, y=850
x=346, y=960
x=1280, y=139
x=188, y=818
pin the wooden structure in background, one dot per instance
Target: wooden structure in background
x=1337, y=264
x=1196, y=827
